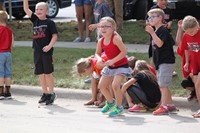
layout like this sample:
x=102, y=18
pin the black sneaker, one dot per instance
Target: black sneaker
x=43, y=98
x=7, y=96
x=2, y=96
x=51, y=98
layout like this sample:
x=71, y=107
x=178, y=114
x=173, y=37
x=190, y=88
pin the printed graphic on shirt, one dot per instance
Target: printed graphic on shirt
x=39, y=31
x=193, y=46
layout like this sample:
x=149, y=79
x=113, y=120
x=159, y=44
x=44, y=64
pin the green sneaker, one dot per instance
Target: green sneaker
x=108, y=106
x=116, y=111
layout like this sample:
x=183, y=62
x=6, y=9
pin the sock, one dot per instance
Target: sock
x=1, y=89
x=7, y=89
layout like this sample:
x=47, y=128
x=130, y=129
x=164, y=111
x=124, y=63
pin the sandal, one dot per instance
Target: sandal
x=97, y=103
x=197, y=114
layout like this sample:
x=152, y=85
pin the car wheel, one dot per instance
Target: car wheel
x=19, y=15
x=53, y=8
x=142, y=9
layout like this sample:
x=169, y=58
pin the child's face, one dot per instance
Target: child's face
x=192, y=31
x=162, y=3
x=154, y=19
x=88, y=71
x=41, y=11
x=106, y=28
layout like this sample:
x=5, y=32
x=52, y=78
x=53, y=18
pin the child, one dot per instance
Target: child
x=187, y=83
x=6, y=39
x=100, y=10
x=88, y=66
x=44, y=37
x=191, y=45
x=116, y=66
x=142, y=88
x=163, y=57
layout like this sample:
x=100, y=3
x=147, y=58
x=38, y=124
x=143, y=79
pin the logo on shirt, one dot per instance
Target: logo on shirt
x=193, y=46
x=39, y=31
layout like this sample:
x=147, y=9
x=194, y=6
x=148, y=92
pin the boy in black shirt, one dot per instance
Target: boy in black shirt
x=44, y=37
x=163, y=57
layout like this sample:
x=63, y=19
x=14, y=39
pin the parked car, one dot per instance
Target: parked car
x=54, y=5
x=137, y=9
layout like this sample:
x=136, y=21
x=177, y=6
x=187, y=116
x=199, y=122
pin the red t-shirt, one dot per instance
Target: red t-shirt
x=192, y=43
x=111, y=51
x=5, y=39
x=152, y=69
x=94, y=63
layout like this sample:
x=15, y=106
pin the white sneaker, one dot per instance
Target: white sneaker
x=87, y=39
x=78, y=39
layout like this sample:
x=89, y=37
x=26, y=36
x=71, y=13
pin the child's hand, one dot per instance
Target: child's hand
x=100, y=64
x=180, y=24
x=92, y=27
x=109, y=63
x=186, y=66
x=149, y=29
x=46, y=48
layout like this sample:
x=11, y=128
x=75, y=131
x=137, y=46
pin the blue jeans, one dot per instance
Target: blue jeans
x=5, y=65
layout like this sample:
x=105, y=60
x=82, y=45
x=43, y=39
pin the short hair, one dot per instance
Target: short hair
x=158, y=12
x=131, y=61
x=43, y=4
x=3, y=16
x=110, y=20
x=189, y=22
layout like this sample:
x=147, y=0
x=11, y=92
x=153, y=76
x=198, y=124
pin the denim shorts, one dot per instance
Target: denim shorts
x=165, y=73
x=117, y=71
x=5, y=65
x=82, y=2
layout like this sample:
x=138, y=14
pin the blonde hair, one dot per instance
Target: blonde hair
x=82, y=64
x=131, y=61
x=3, y=16
x=110, y=20
x=44, y=4
x=189, y=22
x=157, y=11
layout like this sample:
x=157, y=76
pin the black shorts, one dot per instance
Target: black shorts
x=43, y=63
x=187, y=82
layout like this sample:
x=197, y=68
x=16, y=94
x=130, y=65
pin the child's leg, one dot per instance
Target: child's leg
x=94, y=85
x=116, y=87
x=49, y=80
x=166, y=97
x=129, y=100
x=104, y=83
x=197, y=87
x=7, y=85
x=43, y=83
x=87, y=11
x=1, y=85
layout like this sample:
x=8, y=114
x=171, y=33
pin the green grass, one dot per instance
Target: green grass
x=64, y=59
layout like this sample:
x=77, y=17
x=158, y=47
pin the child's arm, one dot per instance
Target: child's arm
x=26, y=8
x=117, y=41
x=155, y=38
x=127, y=84
x=93, y=26
x=100, y=63
x=179, y=34
x=186, y=60
x=52, y=42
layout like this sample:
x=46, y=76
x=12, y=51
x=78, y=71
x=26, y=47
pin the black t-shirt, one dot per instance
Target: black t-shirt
x=164, y=54
x=150, y=88
x=42, y=33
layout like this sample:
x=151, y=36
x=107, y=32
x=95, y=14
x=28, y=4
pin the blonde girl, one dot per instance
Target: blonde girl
x=116, y=67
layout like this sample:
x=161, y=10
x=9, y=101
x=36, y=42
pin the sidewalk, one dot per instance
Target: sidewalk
x=138, y=48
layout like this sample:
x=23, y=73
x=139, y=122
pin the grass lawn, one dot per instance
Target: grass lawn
x=64, y=59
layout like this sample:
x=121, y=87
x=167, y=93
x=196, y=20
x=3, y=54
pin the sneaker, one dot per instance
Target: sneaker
x=7, y=96
x=191, y=96
x=172, y=109
x=138, y=108
x=51, y=98
x=174, y=74
x=116, y=111
x=88, y=81
x=78, y=39
x=87, y=39
x=160, y=111
x=108, y=106
x=43, y=98
x=2, y=96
